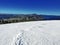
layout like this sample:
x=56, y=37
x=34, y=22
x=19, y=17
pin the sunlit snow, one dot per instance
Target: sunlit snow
x=30, y=33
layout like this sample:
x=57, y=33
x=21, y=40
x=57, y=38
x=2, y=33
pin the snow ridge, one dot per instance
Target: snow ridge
x=30, y=33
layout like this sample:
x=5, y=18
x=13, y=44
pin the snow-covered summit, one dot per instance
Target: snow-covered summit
x=30, y=33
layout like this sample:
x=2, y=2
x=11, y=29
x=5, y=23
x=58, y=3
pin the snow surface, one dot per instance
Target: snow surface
x=30, y=33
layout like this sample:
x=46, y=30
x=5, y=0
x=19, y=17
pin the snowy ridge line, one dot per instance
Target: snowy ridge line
x=27, y=21
x=30, y=22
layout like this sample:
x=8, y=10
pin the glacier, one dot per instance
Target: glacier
x=31, y=33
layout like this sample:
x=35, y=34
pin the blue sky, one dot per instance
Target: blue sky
x=50, y=7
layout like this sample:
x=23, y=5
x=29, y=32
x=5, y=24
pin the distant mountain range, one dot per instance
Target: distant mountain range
x=45, y=17
x=12, y=18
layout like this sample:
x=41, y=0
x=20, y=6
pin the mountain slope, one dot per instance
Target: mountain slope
x=31, y=33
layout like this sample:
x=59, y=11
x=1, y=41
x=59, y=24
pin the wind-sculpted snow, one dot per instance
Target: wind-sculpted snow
x=31, y=33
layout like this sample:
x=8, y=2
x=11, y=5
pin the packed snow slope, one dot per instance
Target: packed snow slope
x=30, y=33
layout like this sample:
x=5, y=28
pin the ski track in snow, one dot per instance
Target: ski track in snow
x=30, y=33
